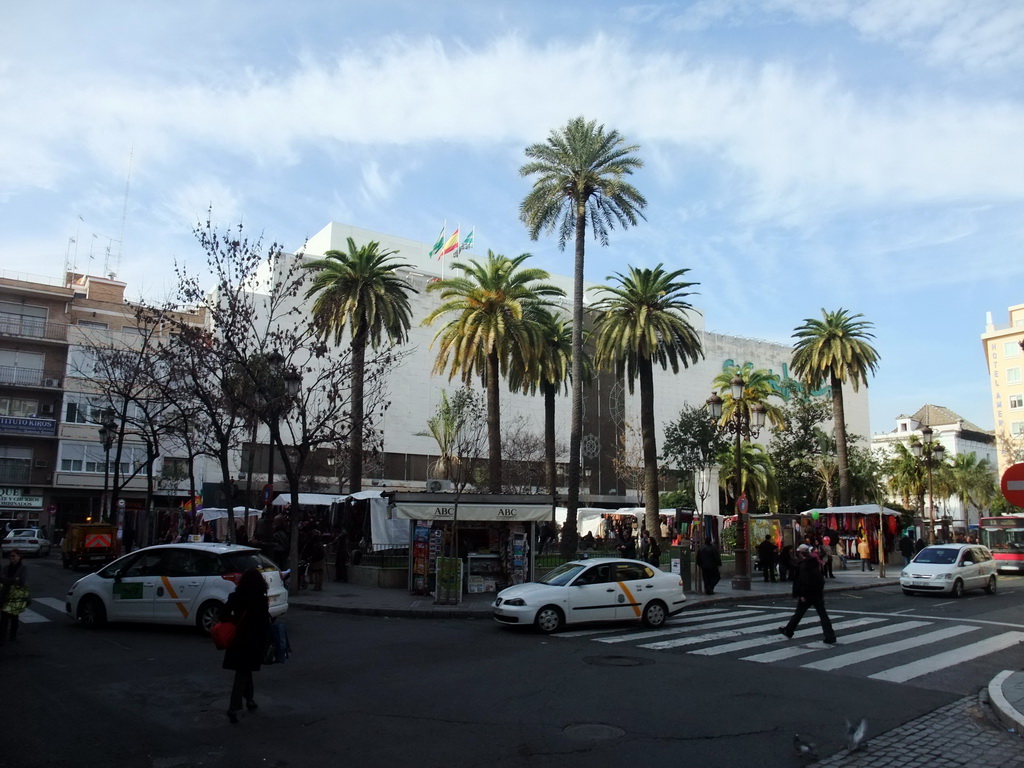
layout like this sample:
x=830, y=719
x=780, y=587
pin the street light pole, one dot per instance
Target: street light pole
x=741, y=425
x=932, y=453
x=107, y=431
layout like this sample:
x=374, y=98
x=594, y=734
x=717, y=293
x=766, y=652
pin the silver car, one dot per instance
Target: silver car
x=28, y=541
x=950, y=569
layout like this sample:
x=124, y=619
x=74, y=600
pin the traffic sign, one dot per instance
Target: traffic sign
x=1012, y=485
x=742, y=504
x=268, y=493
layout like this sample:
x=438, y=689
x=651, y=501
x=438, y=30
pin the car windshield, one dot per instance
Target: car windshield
x=562, y=575
x=23, y=532
x=937, y=556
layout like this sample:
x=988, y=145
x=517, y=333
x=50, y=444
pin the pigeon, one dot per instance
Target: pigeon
x=804, y=748
x=855, y=735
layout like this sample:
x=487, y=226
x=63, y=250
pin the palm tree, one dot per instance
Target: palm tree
x=360, y=290
x=580, y=174
x=757, y=388
x=642, y=321
x=548, y=372
x=972, y=482
x=490, y=307
x=836, y=348
x=905, y=476
x=757, y=474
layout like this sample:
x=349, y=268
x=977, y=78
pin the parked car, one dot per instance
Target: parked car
x=952, y=569
x=28, y=541
x=598, y=589
x=171, y=584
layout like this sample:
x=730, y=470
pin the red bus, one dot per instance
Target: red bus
x=1004, y=535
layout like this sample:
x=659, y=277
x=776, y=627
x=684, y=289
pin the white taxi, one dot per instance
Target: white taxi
x=950, y=568
x=598, y=589
x=171, y=584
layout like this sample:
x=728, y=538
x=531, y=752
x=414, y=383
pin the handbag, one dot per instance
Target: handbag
x=223, y=634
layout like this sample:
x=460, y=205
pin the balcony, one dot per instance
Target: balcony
x=13, y=375
x=31, y=328
x=15, y=473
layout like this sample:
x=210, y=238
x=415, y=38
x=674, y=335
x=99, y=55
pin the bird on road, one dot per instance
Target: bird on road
x=855, y=734
x=804, y=748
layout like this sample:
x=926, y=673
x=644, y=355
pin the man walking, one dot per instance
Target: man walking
x=766, y=553
x=709, y=562
x=809, y=589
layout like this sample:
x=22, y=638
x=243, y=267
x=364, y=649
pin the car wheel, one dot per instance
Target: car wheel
x=654, y=614
x=549, y=619
x=209, y=614
x=958, y=588
x=91, y=612
x=991, y=586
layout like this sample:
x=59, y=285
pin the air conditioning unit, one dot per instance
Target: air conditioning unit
x=46, y=409
x=42, y=463
x=436, y=486
x=51, y=382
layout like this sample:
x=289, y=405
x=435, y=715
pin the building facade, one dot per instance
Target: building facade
x=1005, y=360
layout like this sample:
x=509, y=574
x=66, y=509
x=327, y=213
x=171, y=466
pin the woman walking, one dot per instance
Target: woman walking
x=247, y=607
x=13, y=596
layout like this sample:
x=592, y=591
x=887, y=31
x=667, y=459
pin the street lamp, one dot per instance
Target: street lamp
x=741, y=425
x=108, y=429
x=932, y=453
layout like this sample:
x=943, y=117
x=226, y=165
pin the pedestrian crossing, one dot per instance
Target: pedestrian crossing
x=890, y=647
x=34, y=616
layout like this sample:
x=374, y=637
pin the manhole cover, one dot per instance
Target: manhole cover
x=593, y=731
x=616, y=661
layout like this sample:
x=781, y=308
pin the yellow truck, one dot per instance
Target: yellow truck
x=91, y=544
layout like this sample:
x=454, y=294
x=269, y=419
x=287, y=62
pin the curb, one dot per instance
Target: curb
x=1003, y=709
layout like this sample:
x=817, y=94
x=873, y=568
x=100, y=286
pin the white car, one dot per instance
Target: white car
x=171, y=584
x=28, y=541
x=598, y=589
x=950, y=568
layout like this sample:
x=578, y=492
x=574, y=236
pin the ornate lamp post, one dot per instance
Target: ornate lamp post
x=741, y=425
x=108, y=430
x=932, y=453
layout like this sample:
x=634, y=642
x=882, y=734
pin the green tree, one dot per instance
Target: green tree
x=905, y=476
x=757, y=475
x=795, y=447
x=757, y=389
x=641, y=321
x=489, y=308
x=580, y=175
x=360, y=290
x=972, y=482
x=836, y=348
x=692, y=443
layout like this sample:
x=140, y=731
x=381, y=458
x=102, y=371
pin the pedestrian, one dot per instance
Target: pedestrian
x=241, y=535
x=864, y=552
x=248, y=608
x=655, y=554
x=314, y=555
x=709, y=561
x=628, y=548
x=341, y=555
x=766, y=553
x=787, y=563
x=825, y=550
x=809, y=590
x=645, y=546
x=13, y=595
x=906, y=548
x=280, y=545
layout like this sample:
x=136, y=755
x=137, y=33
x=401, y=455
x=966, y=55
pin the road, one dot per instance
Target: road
x=364, y=691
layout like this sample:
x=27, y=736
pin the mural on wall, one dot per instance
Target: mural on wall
x=785, y=385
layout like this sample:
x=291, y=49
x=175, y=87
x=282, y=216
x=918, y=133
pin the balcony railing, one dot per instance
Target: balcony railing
x=15, y=473
x=31, y=327
x=29, y=377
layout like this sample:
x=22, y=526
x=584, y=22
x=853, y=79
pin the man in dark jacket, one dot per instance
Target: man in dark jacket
x=766, y=553
x=809, y=589
x=709, y=562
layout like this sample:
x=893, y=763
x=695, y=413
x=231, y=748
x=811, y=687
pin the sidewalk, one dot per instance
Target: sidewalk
x=1005, y=691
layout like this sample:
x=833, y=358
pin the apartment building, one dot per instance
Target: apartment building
x=1005, y=359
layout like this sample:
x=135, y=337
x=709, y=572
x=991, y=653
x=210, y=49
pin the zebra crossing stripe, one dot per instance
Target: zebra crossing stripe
x=790, y=652
x=28, y=616
x=728, y=634
x=744, y=645
x=690, y=617
x=679, y=630
x=50, y=602
x=940, y=661
x=846, y=659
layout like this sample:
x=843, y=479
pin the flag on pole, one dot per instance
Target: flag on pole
x=451, y=244
x=437, y=245
x=467, y=241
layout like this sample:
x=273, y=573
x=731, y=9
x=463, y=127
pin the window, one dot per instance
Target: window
x=82, y=362
x=82, y=409
x=1016, y=402
x=1017, y=427
x=19, y=407
x=22, y=320
x=92, y=324
x=1013, y=375
x=15, y=464
x=174, y=467
x=1011, y=349
x=90, y=457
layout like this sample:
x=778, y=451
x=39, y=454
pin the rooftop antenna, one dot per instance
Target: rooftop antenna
x=124, y=215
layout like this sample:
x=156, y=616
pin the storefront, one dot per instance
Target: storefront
x=19, y=509
x=490, y=542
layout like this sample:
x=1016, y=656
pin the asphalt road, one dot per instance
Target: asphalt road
x=364, y=691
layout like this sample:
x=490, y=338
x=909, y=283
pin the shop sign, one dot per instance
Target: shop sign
x=15, y=425
x=13, y=497
x=477, y=512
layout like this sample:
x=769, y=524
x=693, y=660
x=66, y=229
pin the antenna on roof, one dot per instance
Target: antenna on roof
x=124, y=215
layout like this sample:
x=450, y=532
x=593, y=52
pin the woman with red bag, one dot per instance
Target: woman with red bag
x=247, y=607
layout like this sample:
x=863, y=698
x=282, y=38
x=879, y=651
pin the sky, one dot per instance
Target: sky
x=798, y=154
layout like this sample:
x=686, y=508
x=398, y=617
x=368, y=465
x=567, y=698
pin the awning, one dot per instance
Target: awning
x=325, y=499
x=506, y=513
x=853, y=509
x=212, y=513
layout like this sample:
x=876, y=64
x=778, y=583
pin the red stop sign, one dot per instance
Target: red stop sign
x=1012, y=485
